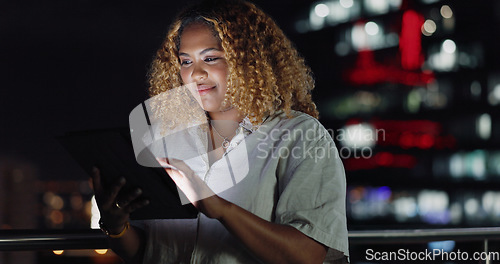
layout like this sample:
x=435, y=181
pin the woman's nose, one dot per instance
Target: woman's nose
x=199, y=73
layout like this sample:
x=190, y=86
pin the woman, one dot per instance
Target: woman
x=290, y=205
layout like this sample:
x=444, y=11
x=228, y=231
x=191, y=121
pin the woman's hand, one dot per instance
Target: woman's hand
x=195, y=189
x=273, y=243
x=115, y=205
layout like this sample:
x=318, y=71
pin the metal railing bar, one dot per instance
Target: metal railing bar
x=423, y=235
x=28, y=239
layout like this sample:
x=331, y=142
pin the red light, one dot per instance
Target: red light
x=406, y=140
x=367, y=71
x=423, y=134
x=353, y=121
x=384, y=158
x=409, y=43
x=413, y=126
x=426, y=141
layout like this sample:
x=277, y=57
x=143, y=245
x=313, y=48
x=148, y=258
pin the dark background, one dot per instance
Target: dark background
x=78, y=65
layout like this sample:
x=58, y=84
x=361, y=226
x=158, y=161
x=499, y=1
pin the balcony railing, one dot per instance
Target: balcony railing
x=28, y=239
x=19, y=240
x=423, y=235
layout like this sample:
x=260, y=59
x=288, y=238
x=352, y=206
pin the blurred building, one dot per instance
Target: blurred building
x=18, y=203
x=410, y=90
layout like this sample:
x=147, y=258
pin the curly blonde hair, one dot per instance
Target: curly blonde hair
x=266, y=73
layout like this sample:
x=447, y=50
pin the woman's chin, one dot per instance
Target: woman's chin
x=209, y=108
x=209, y=105
x=225, y=111
x=212, y=107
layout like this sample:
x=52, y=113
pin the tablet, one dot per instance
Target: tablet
x=112, y=152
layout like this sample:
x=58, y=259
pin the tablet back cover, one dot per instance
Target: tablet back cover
x=111, y=150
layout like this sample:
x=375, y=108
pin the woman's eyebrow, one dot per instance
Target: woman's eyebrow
x=201, y=53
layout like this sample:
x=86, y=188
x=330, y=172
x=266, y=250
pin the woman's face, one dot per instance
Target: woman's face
x=203, y=62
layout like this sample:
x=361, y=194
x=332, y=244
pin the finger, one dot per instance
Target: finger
x=177, y=177
x=116, y=188
x=162, y=161
x=181, y=166
x=136, y=204
x=175, y=173
x=169, y=171
x=177, y=163
x=125, y=200
x=96, y=179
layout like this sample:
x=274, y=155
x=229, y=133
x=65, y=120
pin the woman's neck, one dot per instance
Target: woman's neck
x=231, y=114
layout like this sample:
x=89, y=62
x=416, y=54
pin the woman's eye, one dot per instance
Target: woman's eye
x=185, y=62
x=211, y=59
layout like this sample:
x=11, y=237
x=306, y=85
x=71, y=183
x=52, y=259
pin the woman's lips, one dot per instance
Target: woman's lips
x=204, y=89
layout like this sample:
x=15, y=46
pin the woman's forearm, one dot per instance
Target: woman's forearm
x=272, y=243
x=130, y=247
